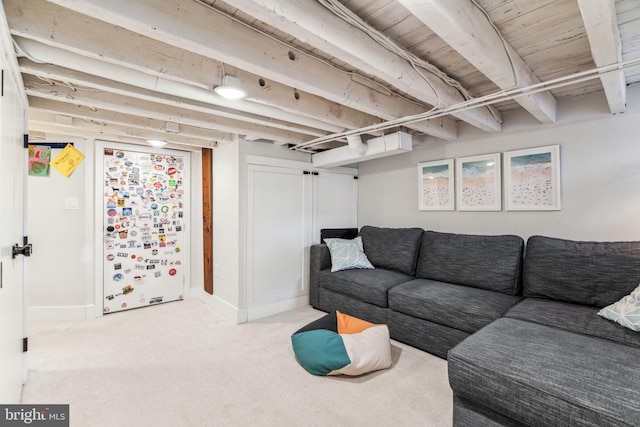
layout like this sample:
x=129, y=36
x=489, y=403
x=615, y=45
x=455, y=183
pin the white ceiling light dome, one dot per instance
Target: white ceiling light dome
x=157, y=142
x=231, y=88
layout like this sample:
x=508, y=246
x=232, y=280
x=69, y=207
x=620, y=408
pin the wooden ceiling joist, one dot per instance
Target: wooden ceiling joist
x=601, y=24
x=50, y=24
x=54, y=108
x=467, y=30
x=129, y=105
x=312, y=23
x=193, y=27
x=85, y=80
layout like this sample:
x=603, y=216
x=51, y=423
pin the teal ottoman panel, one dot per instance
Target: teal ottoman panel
x=320, y=351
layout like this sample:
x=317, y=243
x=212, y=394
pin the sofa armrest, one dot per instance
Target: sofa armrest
x=319, y=259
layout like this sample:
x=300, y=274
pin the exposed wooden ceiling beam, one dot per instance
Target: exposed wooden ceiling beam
x=193, y=27
x=64, y=29
x=90, y=81
x=129, y=105
x=50, y=132
x=48, y=120
x=601, y=24
x=311, y=23
x=468, y=30
x=159, y=127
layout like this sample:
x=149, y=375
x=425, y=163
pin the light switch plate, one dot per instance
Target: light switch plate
x=71, y=203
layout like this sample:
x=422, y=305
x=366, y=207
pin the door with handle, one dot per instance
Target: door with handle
x=12, y=178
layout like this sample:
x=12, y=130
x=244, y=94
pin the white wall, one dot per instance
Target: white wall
x=230, y=222
x=61, y=280
x=59, y=274
x=226, y=164
x=600, y=165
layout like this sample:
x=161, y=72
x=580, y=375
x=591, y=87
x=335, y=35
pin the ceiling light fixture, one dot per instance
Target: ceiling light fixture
x=230, y=88
x=157, y=142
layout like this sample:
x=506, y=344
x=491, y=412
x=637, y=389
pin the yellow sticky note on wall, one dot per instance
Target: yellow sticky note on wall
x=68, y=160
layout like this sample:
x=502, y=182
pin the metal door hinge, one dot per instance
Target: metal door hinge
x=25, y=344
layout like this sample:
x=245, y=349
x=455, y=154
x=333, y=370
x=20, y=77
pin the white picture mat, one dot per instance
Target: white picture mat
x=436, y=186
x=479, y=183
x=532, y=179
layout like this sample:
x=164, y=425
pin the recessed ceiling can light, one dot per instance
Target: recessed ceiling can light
x=157, y=142
x=230, y=88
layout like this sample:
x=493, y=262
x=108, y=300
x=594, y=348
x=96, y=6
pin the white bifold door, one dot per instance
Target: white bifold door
x=144, y=218
x=286, y=208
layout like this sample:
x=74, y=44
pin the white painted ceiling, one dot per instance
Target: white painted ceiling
x=130, y=70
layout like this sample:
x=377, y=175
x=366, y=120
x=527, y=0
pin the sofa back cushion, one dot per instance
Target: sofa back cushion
x=486, y=262
x=392, y=248
x=588, y=273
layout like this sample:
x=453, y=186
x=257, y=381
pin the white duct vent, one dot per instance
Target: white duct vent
x=388, y=145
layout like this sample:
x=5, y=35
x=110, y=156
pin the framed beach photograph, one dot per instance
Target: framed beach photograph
x=479, y=183
x=532, y=179
x=435, y=186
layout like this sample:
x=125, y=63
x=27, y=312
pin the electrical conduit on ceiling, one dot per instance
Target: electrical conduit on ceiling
x=500, y=96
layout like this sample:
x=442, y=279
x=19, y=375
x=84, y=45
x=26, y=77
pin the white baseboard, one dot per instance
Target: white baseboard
x=235, y=314
x=259, y=311
x=56, y=313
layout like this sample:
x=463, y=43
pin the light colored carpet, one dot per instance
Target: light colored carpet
x=181, y=364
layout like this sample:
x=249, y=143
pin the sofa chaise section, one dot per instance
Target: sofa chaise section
x=515, y=372
x=551, y=360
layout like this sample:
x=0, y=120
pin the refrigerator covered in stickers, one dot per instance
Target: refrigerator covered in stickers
x=143, y=229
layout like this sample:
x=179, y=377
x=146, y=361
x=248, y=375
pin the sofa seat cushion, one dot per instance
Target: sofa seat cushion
x=461, y=307
x=369, y=286
x=392, y=248
x=487, y=262
x=588, y=273
x=572, y=317
x=540, y=375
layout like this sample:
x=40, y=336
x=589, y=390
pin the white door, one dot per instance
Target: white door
x=286, y=208
x=144, y=217
x=12, y=176
x=336, y=202
x=279, y=210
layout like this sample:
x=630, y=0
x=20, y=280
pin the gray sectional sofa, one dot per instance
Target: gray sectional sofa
x=520, y=332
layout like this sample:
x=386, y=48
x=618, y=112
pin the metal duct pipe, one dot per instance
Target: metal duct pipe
x=383, y=146
x=356, y=145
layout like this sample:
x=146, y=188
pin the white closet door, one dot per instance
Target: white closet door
x=336, y=204
x=279, y=212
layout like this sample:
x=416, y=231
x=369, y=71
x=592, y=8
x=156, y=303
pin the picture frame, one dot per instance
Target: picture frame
x=479, y=183
x=532, y=179
x=436, y=186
